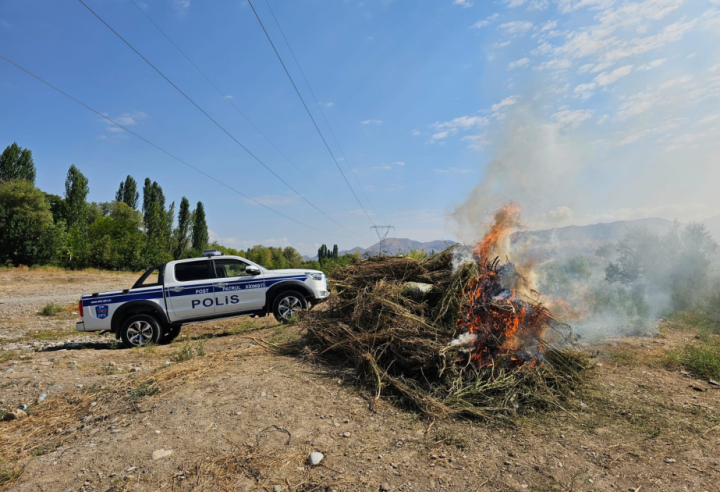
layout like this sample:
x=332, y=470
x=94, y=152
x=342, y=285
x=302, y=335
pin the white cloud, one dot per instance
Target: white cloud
x=416, y=132
x=371, y=122
x=229, y=97
x=477, y=142
x=557, y=64
x=508, y=101
x=463, y=3
x=539, y=5
x=651, y=98
x=381, y=168
x=572, y=118
x=585, y=91
x=610, y=78
x=542, y=49
x=566, y=6
x=714, y=68
x=516, y=27
x=514, y=3
x=181, y=6
x=522, y=62
x=485, y=22
x=670, y=33
x=129, y=119
x=549, y=25
x=652, y=64
x=502, y=44
x=461, y=122
x=453, y=126
x=399, y=163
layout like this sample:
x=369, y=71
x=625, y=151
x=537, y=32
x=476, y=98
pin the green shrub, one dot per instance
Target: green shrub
x=50, y=309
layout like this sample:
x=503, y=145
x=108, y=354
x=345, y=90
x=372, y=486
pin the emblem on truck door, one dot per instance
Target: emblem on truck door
x=101, y=312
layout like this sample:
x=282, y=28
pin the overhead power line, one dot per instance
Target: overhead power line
x=213, y=120
x=308, y=111
x=322, y=113
x=107, y=118
x=229, y=101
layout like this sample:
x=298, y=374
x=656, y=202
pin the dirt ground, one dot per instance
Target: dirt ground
x=217, y=410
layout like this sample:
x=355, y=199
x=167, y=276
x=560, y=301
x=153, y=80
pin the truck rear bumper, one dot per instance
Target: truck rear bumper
x=80, y=326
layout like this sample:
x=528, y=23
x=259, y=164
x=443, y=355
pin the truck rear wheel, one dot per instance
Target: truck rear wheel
x=170, y=334
x=287, y=304
x=140, y=330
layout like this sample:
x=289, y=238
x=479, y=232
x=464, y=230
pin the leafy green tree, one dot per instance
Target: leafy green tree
x=293, y=257
x=27, y=232
x=335, y=252
x=17, y=163
x=57, y=206
x=76, y=192
x=181, y=234
x=115, y=240
x=200, y=236
x=128, y=193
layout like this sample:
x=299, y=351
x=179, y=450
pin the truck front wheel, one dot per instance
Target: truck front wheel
x=288, y=304
x=140, y=330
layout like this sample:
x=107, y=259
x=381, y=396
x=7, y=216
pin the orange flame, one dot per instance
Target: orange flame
x=507, y=325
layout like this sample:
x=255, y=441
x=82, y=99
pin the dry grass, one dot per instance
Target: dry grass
x=19, y=439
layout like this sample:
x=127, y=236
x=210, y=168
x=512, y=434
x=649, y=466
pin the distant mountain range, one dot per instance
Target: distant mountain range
x=565, y=242
x=561, y=242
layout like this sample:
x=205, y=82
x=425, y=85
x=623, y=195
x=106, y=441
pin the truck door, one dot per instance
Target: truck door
x=189, y=289
x=236, y=290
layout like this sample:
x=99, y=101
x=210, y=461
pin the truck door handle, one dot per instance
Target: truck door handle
x=222, y=284
x=178, y=289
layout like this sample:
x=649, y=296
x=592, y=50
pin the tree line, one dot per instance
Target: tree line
x=42, y=228
x=132, y=232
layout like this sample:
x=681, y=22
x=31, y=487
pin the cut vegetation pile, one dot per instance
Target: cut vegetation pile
x=401, y=324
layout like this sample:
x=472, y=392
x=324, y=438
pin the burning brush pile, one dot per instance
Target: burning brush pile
x=472, y=340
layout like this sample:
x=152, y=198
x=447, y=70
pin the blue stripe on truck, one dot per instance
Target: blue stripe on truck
x=94, y=301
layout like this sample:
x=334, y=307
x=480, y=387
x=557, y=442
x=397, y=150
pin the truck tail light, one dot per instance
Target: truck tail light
x=80, y=308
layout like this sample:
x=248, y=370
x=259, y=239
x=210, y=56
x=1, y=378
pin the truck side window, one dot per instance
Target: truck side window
x=229, y=268
x=192, y=270
x=152, y=277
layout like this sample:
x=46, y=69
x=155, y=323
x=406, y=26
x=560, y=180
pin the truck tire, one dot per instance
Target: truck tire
x=140, y=330
x=287, y=304
x=170, y=334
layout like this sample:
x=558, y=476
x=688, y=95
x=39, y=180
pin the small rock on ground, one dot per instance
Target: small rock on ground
x=161, y=453
x=315, y=458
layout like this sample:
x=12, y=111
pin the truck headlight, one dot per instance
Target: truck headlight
x=314, y=276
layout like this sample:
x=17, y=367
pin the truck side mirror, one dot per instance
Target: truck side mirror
x=251, y=270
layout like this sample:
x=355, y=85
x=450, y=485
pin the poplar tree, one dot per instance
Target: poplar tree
x=182, y=232
x=127, y=193
x=200, y=236
x=76, y=192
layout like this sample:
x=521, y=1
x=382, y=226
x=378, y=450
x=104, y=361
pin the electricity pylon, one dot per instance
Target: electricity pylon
x=382, y=232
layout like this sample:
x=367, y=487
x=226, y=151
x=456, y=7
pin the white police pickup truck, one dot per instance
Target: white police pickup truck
x=179, y=292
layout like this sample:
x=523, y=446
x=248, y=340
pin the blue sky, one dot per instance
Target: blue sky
x=581, y=110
